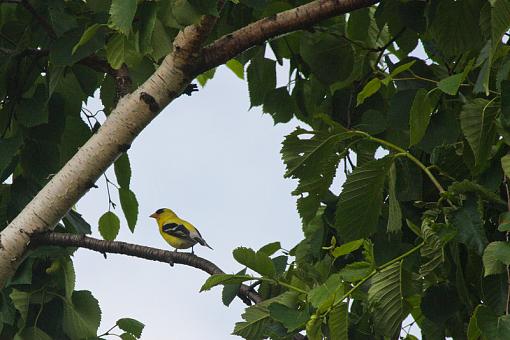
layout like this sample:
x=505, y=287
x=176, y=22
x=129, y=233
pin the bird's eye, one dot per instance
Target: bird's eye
x=160, y=211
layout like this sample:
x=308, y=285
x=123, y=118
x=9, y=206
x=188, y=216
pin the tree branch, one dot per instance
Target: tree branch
x=136, y=110
x=230, y=45
x=116, y=247
x=131, y=115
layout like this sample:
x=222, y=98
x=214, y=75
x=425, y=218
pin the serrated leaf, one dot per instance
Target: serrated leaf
x=360, y=201
x=323, y=296
x=477, y=124
x=122, y=13
x=368, y=90
x=69, y=277
x=109, y=226
x=385, y=300
x=235, y=66
x=261, y=79
x=279, y=104
x=87, y=35
x=21, y=301
x=81, y=316
x=122, y=170
x=291, y=318
x=223, y=279
x=229, y=291
x=256, y=320
x=257, y=261
x=432, y=248
x=131, y=326
x=419, y=116
x=394, y=213
x=468, y=221
x=129, y=206
x=313, y=328
x=338, y=322
x=495, y=257
x=270, y=248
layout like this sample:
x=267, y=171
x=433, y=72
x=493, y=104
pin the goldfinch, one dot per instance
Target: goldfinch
x=178, y=233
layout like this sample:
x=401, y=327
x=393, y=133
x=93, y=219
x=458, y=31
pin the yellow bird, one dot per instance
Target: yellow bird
x=178, y=233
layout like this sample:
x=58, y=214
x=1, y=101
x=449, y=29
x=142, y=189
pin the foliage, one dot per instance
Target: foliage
x=420, y=227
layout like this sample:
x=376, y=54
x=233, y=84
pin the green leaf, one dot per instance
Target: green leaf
x=338, y=322
x=440, y=303
x=256, y=320
x=477, y=124
x=419, y=117
x=356, y=271
x=323, y=296
x=454, y=26
x=432, y=248
x=385, y=300
x=500, y=20
x=347, y=248
x=76, y=133
x=360, y=201
x=369, y=89
x=505, y=164
x=467, y=186
x=224, y=279
x=270, y=248
x=329, y=57
x=205, y=7
x=184, y=13
x=82, y=315
x=109, y=226
x=21, y=301
x=401, y=68
x=257, y=261
x=491, y=326
x=450, y=85
x=122, y=13
x=87, y=35
x=123, y=170
x=313, y=328
x=8, y=149
x=468, y=221
x=116, y=51
x=495, y=257
x=230, y=291
x=261, y=79
x=127, y=336
x=131, y=326
x=147, y=15
x=291, y=318
x=473, y=332
x=394, y=213
x=279, y=104
x=32, y=333
x=129, y=206
x=69, y=277
x=236, y=67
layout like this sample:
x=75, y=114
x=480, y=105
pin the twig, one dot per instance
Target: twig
x=148, y=253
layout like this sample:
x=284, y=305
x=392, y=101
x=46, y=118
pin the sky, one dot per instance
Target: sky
x=217, y=164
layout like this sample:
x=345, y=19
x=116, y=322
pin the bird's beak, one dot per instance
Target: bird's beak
x=154, y=215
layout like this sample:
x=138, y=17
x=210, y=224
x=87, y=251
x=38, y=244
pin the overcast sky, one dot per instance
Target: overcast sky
x=217, y=164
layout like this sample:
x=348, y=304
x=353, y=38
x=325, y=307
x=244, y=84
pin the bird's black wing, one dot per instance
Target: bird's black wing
x=176, y=230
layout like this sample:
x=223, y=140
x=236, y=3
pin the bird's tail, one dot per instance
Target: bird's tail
x=203, y=243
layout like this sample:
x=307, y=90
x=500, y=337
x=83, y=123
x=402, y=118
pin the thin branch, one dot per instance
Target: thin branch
x=148, y=253
x=230, y=45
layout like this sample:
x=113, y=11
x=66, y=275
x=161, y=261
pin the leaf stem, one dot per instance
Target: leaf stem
x=402, y=152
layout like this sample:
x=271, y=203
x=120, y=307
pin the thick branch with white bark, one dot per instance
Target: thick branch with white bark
x=136, y=110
